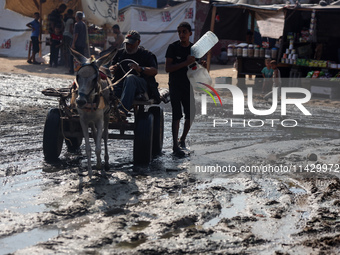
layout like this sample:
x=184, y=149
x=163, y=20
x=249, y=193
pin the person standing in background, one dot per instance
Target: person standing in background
x=56, y=43
x=117, y=44
x=35, y=26
x=68, y=37
x=119, y=37
x=223, y=57
x=79, y=37
x=55, y=18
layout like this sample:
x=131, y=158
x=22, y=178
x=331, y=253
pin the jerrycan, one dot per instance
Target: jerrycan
x=198, y=75
x=204, y=44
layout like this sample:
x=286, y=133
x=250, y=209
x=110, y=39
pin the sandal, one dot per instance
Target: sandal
x=178, y=152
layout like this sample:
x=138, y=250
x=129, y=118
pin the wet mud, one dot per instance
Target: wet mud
x=168, y=207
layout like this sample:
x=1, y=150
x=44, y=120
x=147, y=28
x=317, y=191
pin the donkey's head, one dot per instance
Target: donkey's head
x=88, y=76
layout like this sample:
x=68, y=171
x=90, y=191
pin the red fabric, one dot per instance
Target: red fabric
x=102, y=76
x=56, y=37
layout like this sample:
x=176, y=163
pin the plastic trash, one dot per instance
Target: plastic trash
x=204, y=44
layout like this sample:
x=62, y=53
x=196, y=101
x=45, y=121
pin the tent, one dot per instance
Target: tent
x=14, y=35
x=158, y=27
x=15, y=14
x=96, y=12
x=126, y=3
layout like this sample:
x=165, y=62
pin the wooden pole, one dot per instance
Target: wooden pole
x=212, y=25
x=29, y=50
x=41, y=30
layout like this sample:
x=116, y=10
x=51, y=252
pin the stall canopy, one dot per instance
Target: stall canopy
x=29, y=7
x=231, y=20
x=326, y=17
x=96, y=12
x=326, y=36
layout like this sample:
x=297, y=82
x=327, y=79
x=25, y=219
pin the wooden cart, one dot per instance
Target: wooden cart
x=63, y=124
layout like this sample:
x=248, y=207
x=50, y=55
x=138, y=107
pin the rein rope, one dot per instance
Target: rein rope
x=74, y=90
x=114, y=84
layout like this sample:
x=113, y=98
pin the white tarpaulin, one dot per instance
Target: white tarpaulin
x=157, y=27
x=14, y=35
x=270, y=24
x=100, y=12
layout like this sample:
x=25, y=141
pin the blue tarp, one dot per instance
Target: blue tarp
x=125, y=3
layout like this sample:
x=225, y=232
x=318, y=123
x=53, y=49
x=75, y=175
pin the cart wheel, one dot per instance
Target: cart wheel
x=142, y=144
x=53, y=138
x=73, y=143
x=158, y=129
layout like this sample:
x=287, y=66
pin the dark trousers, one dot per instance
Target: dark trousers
x=128, y=89
x=67, y=42
x=54, y=54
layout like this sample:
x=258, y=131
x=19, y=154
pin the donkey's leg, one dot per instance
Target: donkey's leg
x=85, y=129
x=99, y=126
x=94, y=131
x=106, y=137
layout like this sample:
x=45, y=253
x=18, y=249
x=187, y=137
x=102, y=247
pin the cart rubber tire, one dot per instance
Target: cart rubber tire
x=142, y=144
x=53, y=138
x=73, y=143
x=158, y=129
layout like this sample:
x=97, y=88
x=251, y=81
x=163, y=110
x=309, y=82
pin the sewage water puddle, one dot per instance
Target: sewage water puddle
x=21, y=192
x=238, y=204
x=22, y=240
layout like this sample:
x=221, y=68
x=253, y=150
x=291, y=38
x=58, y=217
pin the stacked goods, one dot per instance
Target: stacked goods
x=252, y=51
x=290, y=56
x=312, y=26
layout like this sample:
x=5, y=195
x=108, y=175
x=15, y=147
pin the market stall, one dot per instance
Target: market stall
x=230, y=21
x=310, y=48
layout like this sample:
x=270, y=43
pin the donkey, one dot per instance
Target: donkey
x=91, y=97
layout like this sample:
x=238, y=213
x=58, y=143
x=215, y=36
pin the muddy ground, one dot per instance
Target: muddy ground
x=169, y=207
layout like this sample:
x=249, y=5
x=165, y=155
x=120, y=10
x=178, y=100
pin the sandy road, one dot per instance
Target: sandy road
x=20, y=66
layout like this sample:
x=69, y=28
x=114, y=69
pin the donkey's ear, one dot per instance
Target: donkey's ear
x=79, y=57
x=103, y=60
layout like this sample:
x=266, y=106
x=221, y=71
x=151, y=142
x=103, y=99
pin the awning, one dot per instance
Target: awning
x=231, y=20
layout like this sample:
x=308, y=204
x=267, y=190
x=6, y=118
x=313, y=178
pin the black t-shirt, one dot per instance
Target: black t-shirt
x=54, y=19
x=178, y=54
x=143, y=57
x=80, y=29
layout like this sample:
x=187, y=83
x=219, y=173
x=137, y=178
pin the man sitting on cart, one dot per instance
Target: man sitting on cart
x=141, y=80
